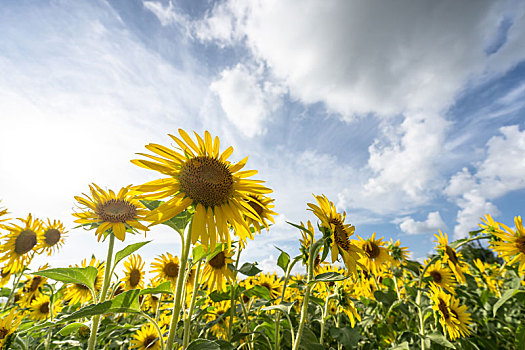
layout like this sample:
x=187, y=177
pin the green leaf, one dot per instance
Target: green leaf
x=258, y=291
x=520, y=336
x=203, y=344
x=329, y=277
x=70, y=328
x=438, y=338
x=386, y=298
x=504, y=298
x=309, y=340
x=283, y=260
x=218, y=296
x=224, y=345
x=79, y=275
x=151, y=205
x=122, y=254
x=301, y=228
x=127, y=302
x=164, y=287
x=413, y=266
x=347, y=336
x=249, y=269
x=403, y=346
x=200, y=253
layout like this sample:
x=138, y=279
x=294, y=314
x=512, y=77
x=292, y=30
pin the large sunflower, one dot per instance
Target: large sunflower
x=450, y=256
x=376, y=257
x=77, y=292
x=203, y=177
x=134, y=273
x=216, y=270
x=53, y=238
x=166, y=267
x=21, y=243
x=106, y=210
x=512, y=244
x=8, y=325
x=340, y=231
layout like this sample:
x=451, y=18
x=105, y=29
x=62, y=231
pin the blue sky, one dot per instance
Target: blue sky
x=410, y=116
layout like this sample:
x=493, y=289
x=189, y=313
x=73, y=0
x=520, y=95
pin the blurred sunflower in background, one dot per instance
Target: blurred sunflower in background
x=217, y=313
x=166, y=268
x=79, y=293
x=399, y=254
x=450, y=257
x=40, y=308
x=199, y=175
x=216, y=271
x=133, y=272
x=8, y=325
x=376, y=257
x=53, y=237
x=271, y=282
x=21, y=243
x=146, y=338
x=5, y=276
x=110, y=211
x=340, y=232
x=512, y=244
x=33, y=285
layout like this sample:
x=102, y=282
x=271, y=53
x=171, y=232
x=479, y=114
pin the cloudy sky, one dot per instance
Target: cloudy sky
x=409, y=115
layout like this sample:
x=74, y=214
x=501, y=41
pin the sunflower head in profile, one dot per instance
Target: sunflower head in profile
x=262, y=205
x=8, y=325
x=21, y=244
x=146, y=338
x=40, y=308
x=166, y=268
x=306, y=242
x=199, y=175
x=511, y=246
x=340, y=232
x=441, y=276
x=376, y=257
x=53, y=237
x=79, y=293
x=450, y=257
x=133, y=273
x=110, y=211
x=216, y=271
x=453, y=318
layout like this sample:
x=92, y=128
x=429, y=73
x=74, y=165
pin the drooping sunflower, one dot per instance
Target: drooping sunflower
x=216, y=271
x=166, y=267
x=134, y=273
x=106, y=211
x=146, y=338
x=202, y=177
x=8, y=325
x=21, y=244
x=340, y=231
x=53, y=238
x=376, y=257
x=79, y=293
x=512, y=244
x=441, y=276
x=450, y=256
x=40, y=308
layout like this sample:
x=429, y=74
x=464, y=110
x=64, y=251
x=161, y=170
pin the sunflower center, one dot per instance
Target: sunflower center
x=44, y=308
x=452, y=255
x=35, y=283
x=134, y=277
x=520, y=244
x=150, y=339
x=267, y=286
x=256, y=207
x=372, y=250
x=116, y=210
x=171, y=269
x=206, y=180
x=52, y=236
x=436, y=276
x=3, y=333
x=218, y=261
x=442, y=306
x=340, y=234
x=4, y=273
x=25, y=241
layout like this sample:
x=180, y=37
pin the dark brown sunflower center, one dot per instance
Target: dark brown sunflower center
x=81, y=286
x=116, y=210
x=256, y=207
x=134, y=277
x=44, y=308
x=206, y=180
x=372, y=250
x=520, y=244
x=436, y=276
x=150, y=340
x=340, y=234
x=218, y=261
x=52, y=236
x=267, y=286
x=35, y=282
x=443, y=308
x=171, y=269
x=25, y=241
x=452, y=255
x=3, y=333
x=4, y=273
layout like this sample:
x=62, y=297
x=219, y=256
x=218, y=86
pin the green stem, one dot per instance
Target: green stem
x=247, y=324
x=233, y=301
x=105, y=286
x=187, y=320
x=278, y=314
x=50, y=329
x=177, y=305
x=12, y=292
x=324, y=317
x=418, y=301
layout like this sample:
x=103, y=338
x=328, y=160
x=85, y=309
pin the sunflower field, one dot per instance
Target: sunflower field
x=358, y=291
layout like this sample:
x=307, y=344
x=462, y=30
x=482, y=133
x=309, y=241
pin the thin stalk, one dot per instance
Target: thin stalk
x=12, y=292
x=418, y=301
x=105, y=286
x=187, y=320
x=324, y=317
x=155, y=324
x=50, y=329
x=278, y=314
x=247, y=324
x=186, y=244
x=233, y=301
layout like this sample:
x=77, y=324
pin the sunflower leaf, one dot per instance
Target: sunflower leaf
x=70, y=328
x=203, y=344
x=441, y=340
x=258, y=291
x=283, y=260
x=301, y=228
x=347, y=336
x=127, y=302
x=78, y=275
x=504, y=298
x=329, y=277
x=249, y=269
x=164, y=287
x=122, y=254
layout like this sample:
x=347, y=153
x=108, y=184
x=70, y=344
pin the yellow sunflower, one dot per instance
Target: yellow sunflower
x=488, y=276
x=166, y=267
x=202, y=177
x=134, y=273
x=399, y=254
x=450, y=256
x=263, y=206
x=216, y=271
x=340, y=231
x=5, y=276
x=489, y=225
x=453, y=318
x=78, y=293
x=107, y=211
x=328, y=286
x=33, y=284
x=512, y=244
x=40, y=308
x=346, y=304
x=8, y=325
x=441, y=276
x=21, y=244
x=305, y=247
x=53, y=238
x=3, y=212
x=146, y=338
x=217, y=313
x=271, y=282
x=376, y=257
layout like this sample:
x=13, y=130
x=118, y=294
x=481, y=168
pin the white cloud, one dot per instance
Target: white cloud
x=431, y=224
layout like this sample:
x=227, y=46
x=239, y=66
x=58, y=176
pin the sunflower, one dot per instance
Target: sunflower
x=270, y=282
x=106, y=210
x=327, y=286
x=53, y=239
x=33, y=284
x=263, y=206
x=166, y=267
x=488, y=276
x=8, y=325
x=217, y=313
x=79, y=293
x=376, y=257
x=452, y=316
x=450, y=256
x=305, y=247
x=133, y=273
x=340, y=232
x=399, y=254
x=3, y=212
x=512, y=244
x=202, y=177
x=146, y=338
x=21, y=244
x=216, y=270
x=5, y=276
x=40, y=308
x=346, y=304
x=489, y=225
x=441, y=276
